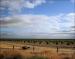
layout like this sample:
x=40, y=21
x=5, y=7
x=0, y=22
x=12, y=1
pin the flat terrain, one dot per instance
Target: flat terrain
x=27, y=50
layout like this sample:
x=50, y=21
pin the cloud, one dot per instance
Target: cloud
x=14, y=21
x=36, y=25
x=72, y=1
x=33, y=3
x=41, y=23
x=15, y=6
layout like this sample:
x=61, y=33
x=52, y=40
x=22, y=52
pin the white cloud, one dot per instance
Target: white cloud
x=21, y=24
x=72, y=1
x=41, y=23
x=15, y=21
x=33, y=3
x=15, y=6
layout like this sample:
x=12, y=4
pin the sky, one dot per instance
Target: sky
x=39, y=19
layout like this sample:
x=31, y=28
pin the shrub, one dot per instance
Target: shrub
x=38, y=57
x=1, y=56
x=25, y=47
x=66, y=58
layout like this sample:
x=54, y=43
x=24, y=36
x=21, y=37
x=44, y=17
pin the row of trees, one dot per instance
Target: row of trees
x=45, y=41
x=56, y=42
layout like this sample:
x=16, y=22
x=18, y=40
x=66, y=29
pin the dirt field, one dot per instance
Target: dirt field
x=20, y=50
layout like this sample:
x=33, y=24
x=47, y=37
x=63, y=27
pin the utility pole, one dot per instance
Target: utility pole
x=57, y=49
x=13, y=47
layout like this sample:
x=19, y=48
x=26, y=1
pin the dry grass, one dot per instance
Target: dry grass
x=10, y=54
x=7, y=52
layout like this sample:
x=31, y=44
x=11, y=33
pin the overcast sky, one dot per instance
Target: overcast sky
x=50, y=19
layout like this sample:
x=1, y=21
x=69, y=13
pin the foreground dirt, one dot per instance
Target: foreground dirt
x=11, y=48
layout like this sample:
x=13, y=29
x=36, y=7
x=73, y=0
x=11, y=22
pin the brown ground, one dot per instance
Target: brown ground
x=6, y=49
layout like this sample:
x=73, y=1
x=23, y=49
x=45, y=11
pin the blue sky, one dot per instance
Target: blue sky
x=37, y=19
x=52, y=6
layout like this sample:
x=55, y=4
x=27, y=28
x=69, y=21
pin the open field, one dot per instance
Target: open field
x=37, y=49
